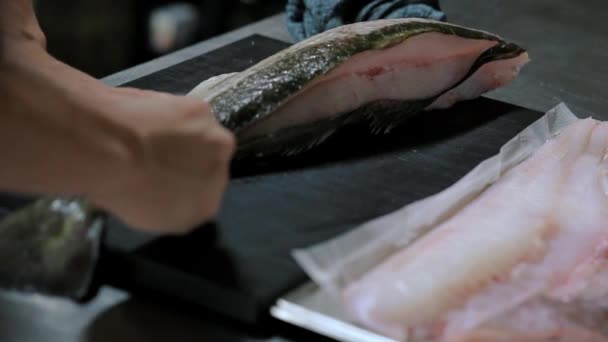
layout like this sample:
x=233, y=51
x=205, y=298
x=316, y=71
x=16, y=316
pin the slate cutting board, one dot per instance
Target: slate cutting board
x=241, y=264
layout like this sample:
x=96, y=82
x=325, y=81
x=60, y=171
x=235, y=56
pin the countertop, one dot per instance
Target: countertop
x=568, y=45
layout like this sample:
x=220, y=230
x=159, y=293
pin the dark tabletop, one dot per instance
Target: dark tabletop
x=568, y=43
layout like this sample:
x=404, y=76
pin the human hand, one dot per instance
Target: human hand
x=179, y=164
x=157, y=161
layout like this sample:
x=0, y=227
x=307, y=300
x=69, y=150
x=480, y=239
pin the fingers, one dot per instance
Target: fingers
x=165, y=204
x=193, y=143
x=180, y=180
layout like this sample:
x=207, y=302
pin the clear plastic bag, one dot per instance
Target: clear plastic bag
x=335, y=263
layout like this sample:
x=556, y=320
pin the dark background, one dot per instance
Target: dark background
x=101, y=37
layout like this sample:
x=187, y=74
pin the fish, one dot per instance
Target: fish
x=526, y=260
x=378, y=73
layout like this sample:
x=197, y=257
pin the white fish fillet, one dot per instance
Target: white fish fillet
x=524, y=261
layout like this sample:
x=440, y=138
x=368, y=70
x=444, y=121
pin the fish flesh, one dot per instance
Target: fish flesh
x=526, y=260
x=378, y=72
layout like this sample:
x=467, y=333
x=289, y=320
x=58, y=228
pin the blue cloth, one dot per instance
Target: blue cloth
x=309, y=17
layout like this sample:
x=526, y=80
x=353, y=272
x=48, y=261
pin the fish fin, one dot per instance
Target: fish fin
x=384, y=115
x=300, y=139
x=310, y=144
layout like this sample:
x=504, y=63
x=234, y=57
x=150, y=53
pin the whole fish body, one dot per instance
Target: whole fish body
x=380, y=72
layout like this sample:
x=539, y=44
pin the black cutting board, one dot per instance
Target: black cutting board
x=241, y=264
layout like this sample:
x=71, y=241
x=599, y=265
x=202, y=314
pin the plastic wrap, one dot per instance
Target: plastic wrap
x=338, y=262
x=51, y=247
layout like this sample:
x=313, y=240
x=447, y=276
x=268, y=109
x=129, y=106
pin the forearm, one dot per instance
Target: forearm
x=51, y=142
x=18, y=22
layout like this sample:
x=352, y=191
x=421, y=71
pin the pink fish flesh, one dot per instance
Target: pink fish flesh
x=527, y=260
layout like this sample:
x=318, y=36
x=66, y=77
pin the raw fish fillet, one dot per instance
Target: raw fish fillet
x=377, y=72
x=527, y=260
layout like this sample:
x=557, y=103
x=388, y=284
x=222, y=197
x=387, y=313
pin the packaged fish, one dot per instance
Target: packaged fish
x=516, y=250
